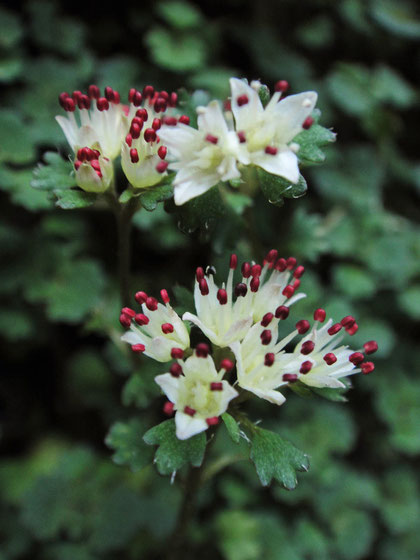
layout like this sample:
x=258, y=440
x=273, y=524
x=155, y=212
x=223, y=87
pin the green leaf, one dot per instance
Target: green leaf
x=126, y=438
x=173, y=453
x=264, y=94
x=276, y=188
x=397, y=17
x=72, y=199
x=409, y=301
x=11, y=29
x=181, y=15
x=354, y=281
x=126, y=195
x=239, y=535
x=201, y=213
x=57, y=173
x=184, y=299
x=335, y=395
x=275, y=457
x=238, y=201
x=232, y=427
x=150, y=197
x=311, y=141
x=17, y=144
x=175, y=52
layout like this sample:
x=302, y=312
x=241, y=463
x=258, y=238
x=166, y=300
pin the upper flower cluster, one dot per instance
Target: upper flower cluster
x=106, y=128
x=247, y=134
x=243, y=317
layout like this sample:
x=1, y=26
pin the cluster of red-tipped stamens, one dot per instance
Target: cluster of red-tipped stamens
x=84, y=101
x=92, y=156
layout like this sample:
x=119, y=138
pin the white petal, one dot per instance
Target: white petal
x=228, y=394
x=69, y=130
x=321, y=381
x=132, y=338
x=291, y=112
x=211, y=119
x=169, y=385
x=269, y=394
x=284, y=164
x=204, y=365
x=188, y=426
x=185, y=191
x=159, y=349
x=211, y=335
x=248, y=114
x=237, y=331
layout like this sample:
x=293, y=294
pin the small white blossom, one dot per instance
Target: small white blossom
x=158, y=331
x=226, y=314
x=197, y=391
x=94, y=173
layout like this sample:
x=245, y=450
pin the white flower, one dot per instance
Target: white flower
x=267, y=132
x=203, y=157
x=197, y=391
x=226, y=314
x=94, y=172
x=318, y=360
x=158, y=331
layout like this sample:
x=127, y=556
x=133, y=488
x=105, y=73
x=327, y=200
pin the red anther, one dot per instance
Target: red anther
x=281, y=85
x=291, y=263
x=82, y=153
x=227, y=364
x=256, y=270
x=212, y=139
x=151, y=303
x=213, y=421
x=160, y=105
x=97, y=153
x=128, y=311
x=352, y=330
x=269, y=359
x=162, y=166
x=246, y=270
x=356, y=358
x=94, y=92
x=138, y=348
x=162, y=151
x=335, y=329
x=164, y=95
x=142, y=114
x=281, y=265
x=199, y=273
x=167, y=328
x=141, y=297
x=109, y=93
x=367, y=367
x=125, y=320
x=141, y=319
x=241, y=137
x=242, y=100
x=290, y=377
x=288, y=291
x=91, y=155
x=168, y=408
x=348, y=321
x=298, y=273
x=319, y=315
x=156, y=124
x=177, y=353
x=129, y=140
x=227, y=105
x=169, y=121
x=62, y=98
x=134, y=156
x=222, y=296
x=254, y=284
x=173, y=98
x=76, y=94
x=216, y=386
x=266, y=320
x=135, y=130
x=190, y=411
x=175, y=370
x=240, y=290
x=296, y=284
x=282, y=312
x=307, y=123
x=302, y=326
x=96, y=165
x=165, y=296
x=117, y=97
x=266, y=337
x=184, y=119
x=69, y=105
x=131, y=94
x=271, y=150
x=233, y=263
x=330, y=358
x=305, y=367
x=271, y=255
x=370, y=347
x=81, y=101
x=202, y=350
x=307, y=347
x=102, y=104
x=77, y=164
x=137, y=99
x=204, y=287
x=150, y=135
x=148, y=91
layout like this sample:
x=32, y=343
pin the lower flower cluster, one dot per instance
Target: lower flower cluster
x=241, y=320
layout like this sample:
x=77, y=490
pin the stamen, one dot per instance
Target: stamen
x=348, y=321
x=93, y=92
x=242, y=100
x=165, y=296
x=162, y=166
x=212, y=139
x=240, y=290
x=204, y=287
x=288, y=291
x=227, y=364
x=282, y=312
x=256, y=270
x=281, y=265
x=141, y=297
x=125, y=320
x=69, y=105
x=255, y=284
x=330, y=358
x=307, y=123
x=175, y=370
x=302, y=326
x=167, y=328
x=266, y=320
x=291, y=263
x=307, y=347
x=281, y=85
x=352, y=330
x=151, y=303
x=296, y=284
x=216, y=386
x=183, y=119
x=335, y=329
x=265, y=337
x=290, y=377
x=169, y=121
x=298, y=273
x=199, y=273
x=213, y=421
x=142, y=114
x=271, y=150
x=134, y=156
x=370, y=347
x=62, y=98
x=269, y=359
x=156, y=124
x=190, y=411
x=141, y=319
x=149, y=135
x=367, y=367
x=241, y=136
x=319, y=315
x=233, y=262
x=129, y=140
x=202, y=350
x=177, y=353
x=109, y=93
x=138, y=348
x=173, y=98
x=128, y=311
x=162, y=151
x=246, y=270
x=102, y=104
x=148, y=91
x=305, y=367
x=271, y=256
x=356, y=358
x=222, y=296
x=168, y=408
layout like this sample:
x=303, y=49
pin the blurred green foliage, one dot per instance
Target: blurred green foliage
x=357, y=230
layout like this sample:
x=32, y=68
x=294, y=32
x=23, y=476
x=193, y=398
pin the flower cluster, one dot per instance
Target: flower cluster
x=106, y=129
x=248, y=134
x=241, y=320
